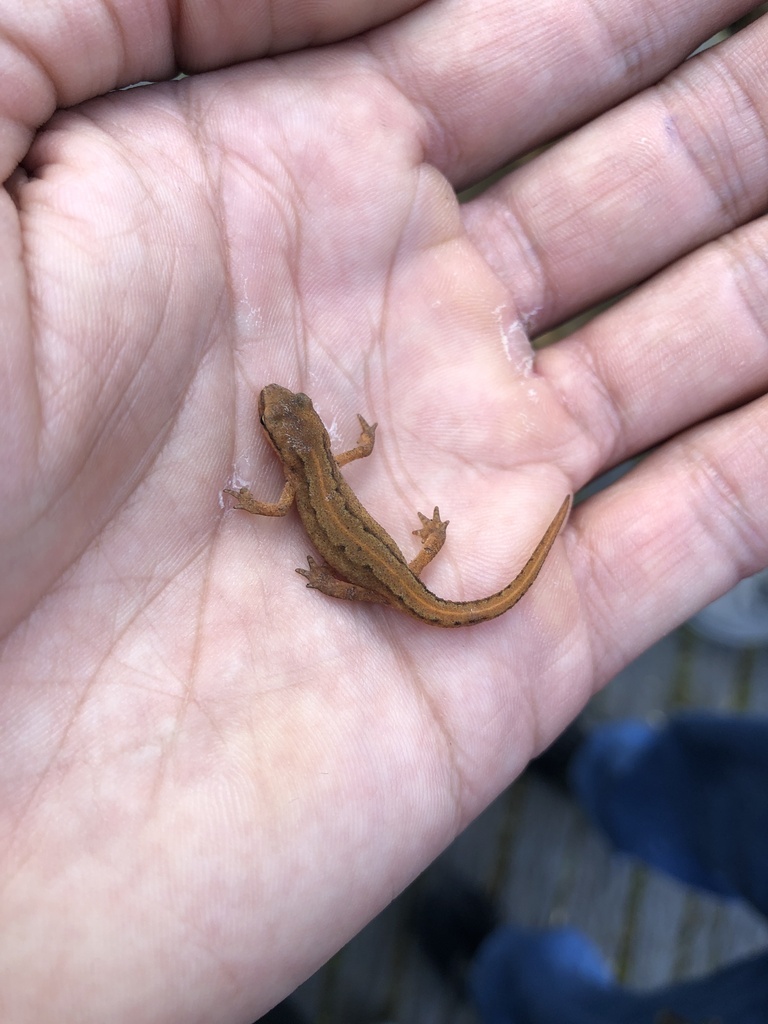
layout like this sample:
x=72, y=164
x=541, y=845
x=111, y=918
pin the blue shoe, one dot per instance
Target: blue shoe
x=521, y=976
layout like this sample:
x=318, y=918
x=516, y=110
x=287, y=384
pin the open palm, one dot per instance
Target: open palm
x=213, y=776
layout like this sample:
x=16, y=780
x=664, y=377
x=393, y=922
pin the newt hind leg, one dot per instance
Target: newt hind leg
x=321, y=577
x=432, y=535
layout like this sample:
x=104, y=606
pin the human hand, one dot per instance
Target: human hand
x=212, y=776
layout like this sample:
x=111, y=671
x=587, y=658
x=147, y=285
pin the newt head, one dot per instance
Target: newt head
x=290, y=422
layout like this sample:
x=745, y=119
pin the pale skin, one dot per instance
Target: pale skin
x=212, y=776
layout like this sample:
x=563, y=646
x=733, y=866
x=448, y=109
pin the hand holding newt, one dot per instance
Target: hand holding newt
x=201, y=792
x=363, y=563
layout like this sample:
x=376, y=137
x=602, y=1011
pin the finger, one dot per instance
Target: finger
x=673, y=535
x=496, y=80
x=688, y=345
x=80, y=50
x=665, y=172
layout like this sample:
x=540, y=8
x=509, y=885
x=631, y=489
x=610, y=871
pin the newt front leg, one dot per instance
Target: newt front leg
x=247, y=502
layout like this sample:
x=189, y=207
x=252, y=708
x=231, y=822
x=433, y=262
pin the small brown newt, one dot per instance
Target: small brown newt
x=362, y=562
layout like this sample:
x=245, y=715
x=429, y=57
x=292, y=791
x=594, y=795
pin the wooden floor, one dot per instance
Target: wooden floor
x=544, y=864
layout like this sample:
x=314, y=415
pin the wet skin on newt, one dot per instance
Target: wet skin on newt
x=362, y=562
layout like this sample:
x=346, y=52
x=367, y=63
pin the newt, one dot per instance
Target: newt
x=361, y=561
